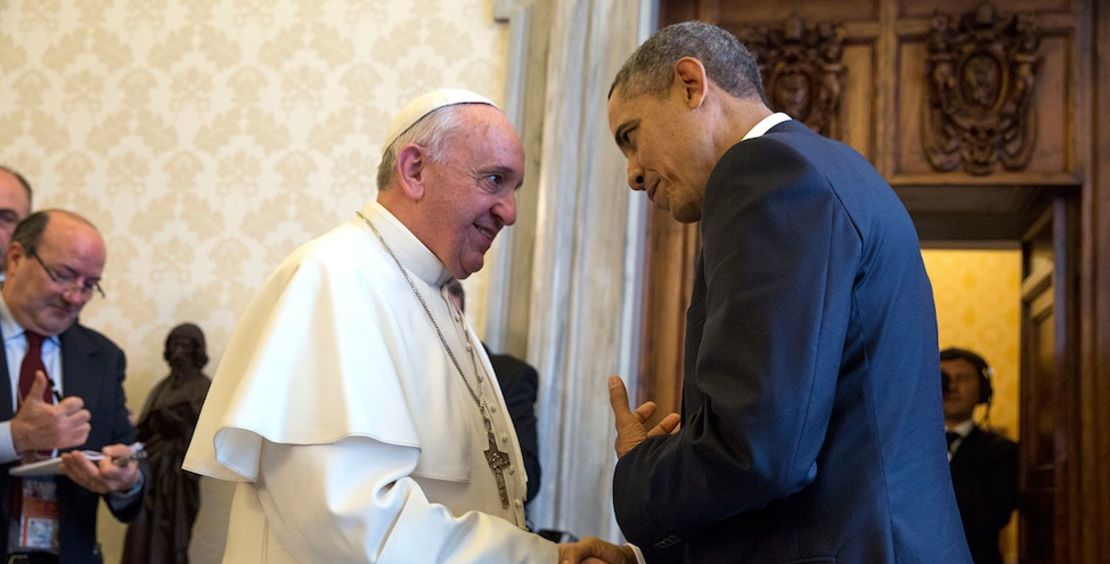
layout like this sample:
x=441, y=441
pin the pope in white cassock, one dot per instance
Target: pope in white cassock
x=354, y=404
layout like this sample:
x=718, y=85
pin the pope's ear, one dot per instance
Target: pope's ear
x=410, y=170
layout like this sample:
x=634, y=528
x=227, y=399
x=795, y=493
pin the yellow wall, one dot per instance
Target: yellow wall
x=978, y=297
x=209, y=138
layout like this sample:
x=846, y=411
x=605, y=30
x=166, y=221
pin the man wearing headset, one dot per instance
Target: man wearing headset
x=983, y=464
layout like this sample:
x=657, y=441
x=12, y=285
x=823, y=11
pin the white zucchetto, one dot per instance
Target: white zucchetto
x=426, y=104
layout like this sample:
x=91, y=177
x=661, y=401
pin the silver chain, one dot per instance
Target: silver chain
x=479, y=398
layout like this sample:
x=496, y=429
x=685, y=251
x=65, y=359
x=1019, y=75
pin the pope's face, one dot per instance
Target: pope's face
x=471, y=194
x=670, y=155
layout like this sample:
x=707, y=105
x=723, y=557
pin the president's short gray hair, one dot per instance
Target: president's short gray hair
x=650, y=69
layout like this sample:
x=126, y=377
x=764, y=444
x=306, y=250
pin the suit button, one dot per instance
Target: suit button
x=504, y=437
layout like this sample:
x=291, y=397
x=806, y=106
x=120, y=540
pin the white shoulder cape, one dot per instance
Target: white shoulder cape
x=321, y=354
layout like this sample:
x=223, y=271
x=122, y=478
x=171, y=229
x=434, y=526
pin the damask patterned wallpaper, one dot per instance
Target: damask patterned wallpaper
x=978, y=297
x=208, y=138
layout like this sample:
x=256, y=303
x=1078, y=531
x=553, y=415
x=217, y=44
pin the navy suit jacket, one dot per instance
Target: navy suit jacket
x=93, y=369
x=811, y=404
x=984, y=476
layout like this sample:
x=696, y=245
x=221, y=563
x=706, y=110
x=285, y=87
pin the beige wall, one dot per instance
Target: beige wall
x=208, y=138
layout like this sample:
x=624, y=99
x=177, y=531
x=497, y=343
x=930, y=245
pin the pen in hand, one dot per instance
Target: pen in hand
x=54, y=389
x=137, y=453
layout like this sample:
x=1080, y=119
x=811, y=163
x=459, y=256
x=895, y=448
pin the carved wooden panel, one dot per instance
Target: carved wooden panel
x=980, y=76
x=802, y=68
x=775, y=11
x=858, y=105
x=1050, y=112
x=725, y=13
x=920, y=9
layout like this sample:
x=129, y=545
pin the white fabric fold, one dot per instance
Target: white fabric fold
x=345, y=366
x=353, y=436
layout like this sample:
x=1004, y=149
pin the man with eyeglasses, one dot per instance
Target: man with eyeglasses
x=15, y=204
x=64, y=391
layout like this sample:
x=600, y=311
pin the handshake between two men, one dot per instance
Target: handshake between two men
x=631, y=431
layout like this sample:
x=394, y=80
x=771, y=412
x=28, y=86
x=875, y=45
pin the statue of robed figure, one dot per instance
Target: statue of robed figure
x=162, y=531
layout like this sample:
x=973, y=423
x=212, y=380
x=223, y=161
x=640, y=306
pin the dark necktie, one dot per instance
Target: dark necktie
x=32, y=362
x=952, y=436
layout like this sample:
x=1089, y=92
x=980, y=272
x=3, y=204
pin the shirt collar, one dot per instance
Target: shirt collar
x=765, y=125
x=12, y=330
x=413, y=254
x=962, y=429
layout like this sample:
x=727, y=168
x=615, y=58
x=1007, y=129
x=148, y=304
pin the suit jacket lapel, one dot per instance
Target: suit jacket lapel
x=79, y=381
x=968, y=441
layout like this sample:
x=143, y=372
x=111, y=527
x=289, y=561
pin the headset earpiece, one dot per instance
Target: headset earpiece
x=986, y=390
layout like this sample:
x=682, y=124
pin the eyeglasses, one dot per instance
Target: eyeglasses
x=70, y=281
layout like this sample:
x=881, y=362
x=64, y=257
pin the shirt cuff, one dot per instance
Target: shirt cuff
x=7, y=443
x=639, y=555
x=117, y=499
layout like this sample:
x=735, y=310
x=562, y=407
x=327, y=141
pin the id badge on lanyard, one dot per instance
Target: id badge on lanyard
x=36, y=530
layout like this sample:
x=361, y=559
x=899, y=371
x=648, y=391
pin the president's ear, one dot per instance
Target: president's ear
x=410, y=164
x=690, y=76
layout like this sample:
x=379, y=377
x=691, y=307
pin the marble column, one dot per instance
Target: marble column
x=566, y=294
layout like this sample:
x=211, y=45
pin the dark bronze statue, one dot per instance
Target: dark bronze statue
x=170, y=506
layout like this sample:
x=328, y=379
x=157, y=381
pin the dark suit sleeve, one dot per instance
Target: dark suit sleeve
x=123, y=507
x=998, y=480
x=520, y=398
x=519, y=383
x=780, y=255
x=1005, y=489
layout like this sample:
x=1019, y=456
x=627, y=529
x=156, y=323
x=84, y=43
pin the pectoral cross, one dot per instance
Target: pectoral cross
x=498, y=461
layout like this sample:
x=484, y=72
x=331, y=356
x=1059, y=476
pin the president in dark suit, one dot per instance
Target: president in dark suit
x=63, y=391
x=984, y=464
x=810, y=403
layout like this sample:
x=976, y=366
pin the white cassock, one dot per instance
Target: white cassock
x=349, y=428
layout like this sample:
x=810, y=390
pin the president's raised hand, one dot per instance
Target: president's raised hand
x=630, y=424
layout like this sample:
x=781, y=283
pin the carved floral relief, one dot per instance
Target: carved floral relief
x=802, y=71
x=978, y=100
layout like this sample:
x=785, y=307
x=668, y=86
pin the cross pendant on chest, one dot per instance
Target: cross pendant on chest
x=498, y=461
